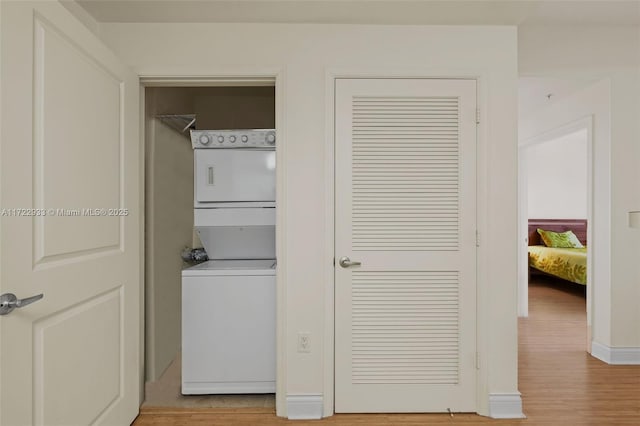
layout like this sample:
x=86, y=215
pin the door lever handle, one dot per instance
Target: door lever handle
x=345, y=262
x=9, y=301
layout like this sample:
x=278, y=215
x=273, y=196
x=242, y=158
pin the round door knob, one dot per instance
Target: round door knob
x=204, y=139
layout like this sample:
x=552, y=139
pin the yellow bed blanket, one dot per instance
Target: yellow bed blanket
x=567, y=263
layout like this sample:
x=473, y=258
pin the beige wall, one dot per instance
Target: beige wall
x=235, y=107
x=169, y=197
x=304, y=54
x=168, y=226
x=612, y=55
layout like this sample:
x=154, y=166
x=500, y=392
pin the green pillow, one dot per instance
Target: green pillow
x=560, y=239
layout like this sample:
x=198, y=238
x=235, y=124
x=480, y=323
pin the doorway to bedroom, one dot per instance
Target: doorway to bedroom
x=555, y=211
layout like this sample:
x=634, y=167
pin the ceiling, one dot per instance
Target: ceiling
x=532, y=91
x=396, y=12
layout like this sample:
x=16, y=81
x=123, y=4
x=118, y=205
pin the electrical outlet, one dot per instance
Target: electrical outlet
x=304, y=342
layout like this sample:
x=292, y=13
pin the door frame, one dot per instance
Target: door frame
x=584, y=123
x=482, y=255
x=237, y=77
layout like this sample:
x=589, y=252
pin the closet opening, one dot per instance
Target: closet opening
x=210, y=259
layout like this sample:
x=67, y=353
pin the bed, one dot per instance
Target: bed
x=569, y=264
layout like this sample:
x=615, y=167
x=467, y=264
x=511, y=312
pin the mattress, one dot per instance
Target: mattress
x=567, y=263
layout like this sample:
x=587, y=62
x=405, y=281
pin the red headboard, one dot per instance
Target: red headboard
x=578, y=226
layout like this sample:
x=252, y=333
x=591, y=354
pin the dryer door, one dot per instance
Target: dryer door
x=223, y=176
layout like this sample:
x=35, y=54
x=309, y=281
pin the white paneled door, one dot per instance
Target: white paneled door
x=69, y=223
x=405, y=277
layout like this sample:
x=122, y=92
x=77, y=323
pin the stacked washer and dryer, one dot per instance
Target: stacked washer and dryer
x=229, y=301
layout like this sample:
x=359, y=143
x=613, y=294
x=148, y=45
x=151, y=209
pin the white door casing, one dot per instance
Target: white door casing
x=405, y=337
x=70, y=188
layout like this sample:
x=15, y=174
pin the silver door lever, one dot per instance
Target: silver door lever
x=9, y=301
x=345, y=262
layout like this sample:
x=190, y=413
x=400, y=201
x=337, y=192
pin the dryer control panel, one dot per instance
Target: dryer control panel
x=255, y=138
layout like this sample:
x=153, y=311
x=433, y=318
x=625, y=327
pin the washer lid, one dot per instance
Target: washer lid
x=233, y=267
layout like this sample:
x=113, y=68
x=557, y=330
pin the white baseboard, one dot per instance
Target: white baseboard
x=615, y=356
x=304, y=407
x=310, y=406
x=505, y=406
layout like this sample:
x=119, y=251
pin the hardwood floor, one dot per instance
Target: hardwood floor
x=560, y=383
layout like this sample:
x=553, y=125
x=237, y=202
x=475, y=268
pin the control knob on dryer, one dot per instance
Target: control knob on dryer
x=270, y=138
x=204, y=139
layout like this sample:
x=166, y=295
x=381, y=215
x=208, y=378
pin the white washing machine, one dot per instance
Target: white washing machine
x=229, y=302
x=229, y=327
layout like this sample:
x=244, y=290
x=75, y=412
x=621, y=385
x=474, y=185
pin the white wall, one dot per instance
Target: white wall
x=557, y=177
x=611, y=54
x=304, y=54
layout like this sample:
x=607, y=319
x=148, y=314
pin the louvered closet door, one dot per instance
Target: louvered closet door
x=406, y=209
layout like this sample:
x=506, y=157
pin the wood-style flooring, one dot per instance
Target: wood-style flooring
x=560, y=383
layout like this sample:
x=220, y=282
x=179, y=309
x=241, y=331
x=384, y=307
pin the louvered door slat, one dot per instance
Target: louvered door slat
x=427, y=367
x=409, y=113
x=405, y=208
